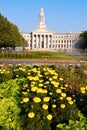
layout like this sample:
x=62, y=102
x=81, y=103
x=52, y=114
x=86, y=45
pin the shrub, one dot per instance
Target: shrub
x=5, y=74
x=80, y=124
x=9, y=110
x=45, y=95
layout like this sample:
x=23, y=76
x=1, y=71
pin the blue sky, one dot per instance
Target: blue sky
x=60, y=15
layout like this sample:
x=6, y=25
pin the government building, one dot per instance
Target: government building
x=42, y=39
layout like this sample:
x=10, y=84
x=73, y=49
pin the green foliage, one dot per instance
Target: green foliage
x=73, y=75
x=33, y=54
x=81, y=101
x=5, y=73
x=9, y=110
x=80, y=124
x=9, y=34
x=82, y=42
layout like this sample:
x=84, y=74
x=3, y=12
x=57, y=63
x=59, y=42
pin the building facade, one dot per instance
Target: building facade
x=43, y=39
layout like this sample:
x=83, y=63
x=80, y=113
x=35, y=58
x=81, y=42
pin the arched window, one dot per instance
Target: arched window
x=59, y=45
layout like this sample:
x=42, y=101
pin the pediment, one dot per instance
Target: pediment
x=42, y=31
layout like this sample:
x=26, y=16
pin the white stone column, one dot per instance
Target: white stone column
x=32, y=41
x=48, y=42
x=40, y=41
x=51, y=41
x=44, y=41
x=63, y=44
x=36, y=42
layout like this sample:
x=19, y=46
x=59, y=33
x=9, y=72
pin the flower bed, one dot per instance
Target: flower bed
x=43, y=97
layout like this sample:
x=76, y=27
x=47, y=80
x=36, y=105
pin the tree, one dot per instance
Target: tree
x=82, y=41
x=9, y=34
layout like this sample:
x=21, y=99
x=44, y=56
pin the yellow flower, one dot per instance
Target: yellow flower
x=33, y=83
x=62, y=87
x=17, y=76
x=33, y=89
x=66, y=85
x=63, y=94
x=54, y=77
x=40, y=81
x=25, y=93
x=53, y=105
x=23, y=69
x=70, y=102
x=36, y=99
x=25, y=99
x=85, y=87
x=50, y=79
x=54, y=100
x=28, y=90
x=69, y=98
x=45, y=86
x=61, y=98
x=44, y=91
x=39, y=90
x=56, y=84
x=34, y=69
x=47, y=82
x=49, y=117
x=83, y=91
x=2, y=72
x=25, y=86
x=46, y=99
x=40, y=85
x=29, y=73
x=50, y=93
x=45, y=106
x=31, y=114
x=30, y=77
x=58, y=91
x=35, y=78
x=82, y=88
x=62, y=106
x=61, y=79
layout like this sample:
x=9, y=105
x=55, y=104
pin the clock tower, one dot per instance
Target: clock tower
x=41, y=20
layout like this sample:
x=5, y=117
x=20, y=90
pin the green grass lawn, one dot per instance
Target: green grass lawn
x=39, y=56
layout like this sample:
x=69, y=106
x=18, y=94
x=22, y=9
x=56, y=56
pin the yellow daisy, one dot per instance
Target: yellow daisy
x=31, y=114
x=49, y=117
x=62, y=106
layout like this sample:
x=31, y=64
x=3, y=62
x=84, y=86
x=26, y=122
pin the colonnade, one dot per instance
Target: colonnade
x=41, y=41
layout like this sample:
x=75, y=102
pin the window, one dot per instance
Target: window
x=62, y=41
x=64, y=45
x=59, y=45
x=34, y=45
